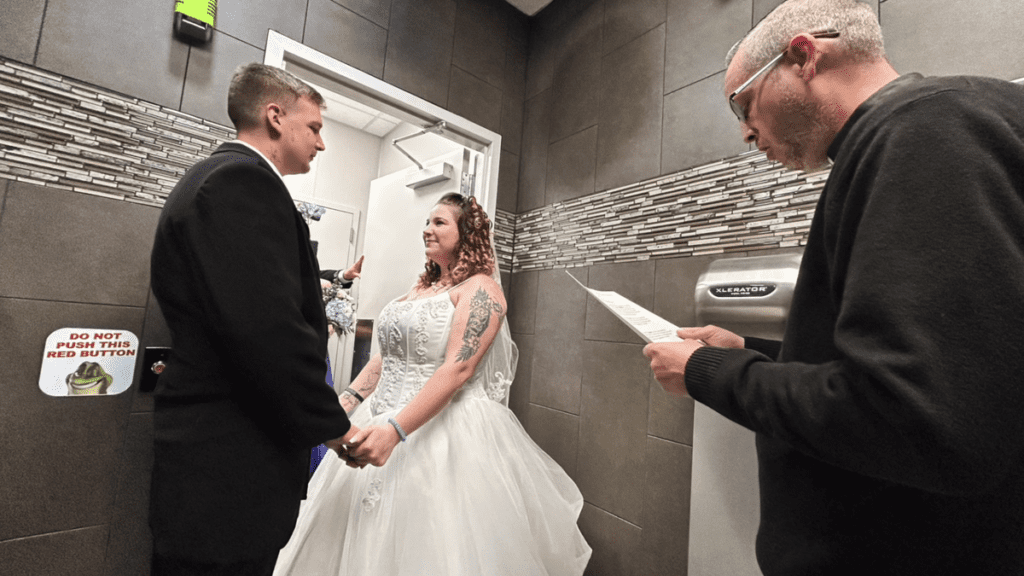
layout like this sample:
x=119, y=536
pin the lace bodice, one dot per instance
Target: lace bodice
x=413, y=338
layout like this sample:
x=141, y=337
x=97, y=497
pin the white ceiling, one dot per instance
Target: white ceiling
x=529, y=7
x=356, y=115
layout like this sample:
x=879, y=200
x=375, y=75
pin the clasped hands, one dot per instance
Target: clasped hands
x=668, y=359
x=370, y=445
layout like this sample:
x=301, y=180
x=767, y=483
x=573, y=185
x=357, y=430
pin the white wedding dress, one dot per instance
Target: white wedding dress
x=468, y=494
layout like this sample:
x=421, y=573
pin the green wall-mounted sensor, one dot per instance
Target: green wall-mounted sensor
x=195, y=19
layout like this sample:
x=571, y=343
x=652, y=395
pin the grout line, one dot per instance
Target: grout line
x=662, y=438
x=54, y=532
x=39, y=39
x=305, y=21
x=184, y=79
x=3, y=201
x=613, y=515
x=51, y=301
x=698, y=81
x=387, y=39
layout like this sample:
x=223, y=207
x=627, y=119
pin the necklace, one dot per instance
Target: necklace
x=438, y=285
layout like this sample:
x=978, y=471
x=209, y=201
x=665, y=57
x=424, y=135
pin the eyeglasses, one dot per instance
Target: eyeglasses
x=737, y=108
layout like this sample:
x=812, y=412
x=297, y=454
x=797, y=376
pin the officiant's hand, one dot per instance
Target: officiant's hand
x=374, y=445
x=668, y=361
x=712, y=336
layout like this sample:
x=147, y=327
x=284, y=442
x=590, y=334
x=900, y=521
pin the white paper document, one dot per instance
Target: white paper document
x=647, y=324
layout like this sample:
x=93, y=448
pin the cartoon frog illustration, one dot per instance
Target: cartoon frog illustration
x=89, y=379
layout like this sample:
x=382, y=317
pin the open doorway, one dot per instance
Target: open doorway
x=386, y=161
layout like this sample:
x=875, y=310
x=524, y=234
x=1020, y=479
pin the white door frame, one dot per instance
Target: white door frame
x=335, y=75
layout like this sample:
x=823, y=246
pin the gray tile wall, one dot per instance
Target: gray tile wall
x=629, y=137
x=643, y=78
x=943, y=38
x=664, y=187
x=101, y=110
x=127, y=47
x=74, y=472
x=346, y=35
x=19, y=16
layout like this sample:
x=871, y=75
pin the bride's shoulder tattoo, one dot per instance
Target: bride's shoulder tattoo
x=481, y=308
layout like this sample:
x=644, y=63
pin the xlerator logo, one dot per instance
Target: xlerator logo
x=742, y=290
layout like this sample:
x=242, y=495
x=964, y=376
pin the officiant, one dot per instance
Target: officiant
x=889, y=431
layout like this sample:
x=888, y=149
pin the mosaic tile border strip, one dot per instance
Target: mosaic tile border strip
x=69, y=135
x=504, y=235
x=740, y=204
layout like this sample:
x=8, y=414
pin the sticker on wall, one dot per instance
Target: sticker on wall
x=88, y=362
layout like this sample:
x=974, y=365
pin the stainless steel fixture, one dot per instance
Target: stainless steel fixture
x=751, y=297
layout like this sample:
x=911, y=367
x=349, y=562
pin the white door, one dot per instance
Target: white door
x=395, y=219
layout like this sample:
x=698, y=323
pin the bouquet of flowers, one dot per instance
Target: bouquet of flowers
x=340, y=307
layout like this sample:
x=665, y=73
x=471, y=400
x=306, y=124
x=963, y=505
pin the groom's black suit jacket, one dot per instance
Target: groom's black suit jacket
x=243, y=397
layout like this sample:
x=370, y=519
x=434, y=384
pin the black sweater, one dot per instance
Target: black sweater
x=890, y=429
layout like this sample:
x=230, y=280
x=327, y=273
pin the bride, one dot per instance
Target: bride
x=456, y=486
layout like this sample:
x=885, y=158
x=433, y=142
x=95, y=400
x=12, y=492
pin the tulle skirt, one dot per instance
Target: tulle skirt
x=469, y=493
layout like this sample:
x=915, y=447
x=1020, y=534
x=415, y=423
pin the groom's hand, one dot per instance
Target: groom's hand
x=342, y=446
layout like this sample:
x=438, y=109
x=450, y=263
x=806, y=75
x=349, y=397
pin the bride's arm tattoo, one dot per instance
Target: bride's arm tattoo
x=372, y=377
x=481, y=307
x=364, y=385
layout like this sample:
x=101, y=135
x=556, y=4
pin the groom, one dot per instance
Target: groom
x=242, y=400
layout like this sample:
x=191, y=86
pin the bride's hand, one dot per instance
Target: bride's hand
x=373, y=445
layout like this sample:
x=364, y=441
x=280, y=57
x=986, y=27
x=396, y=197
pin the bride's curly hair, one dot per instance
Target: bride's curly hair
x=473, y=254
